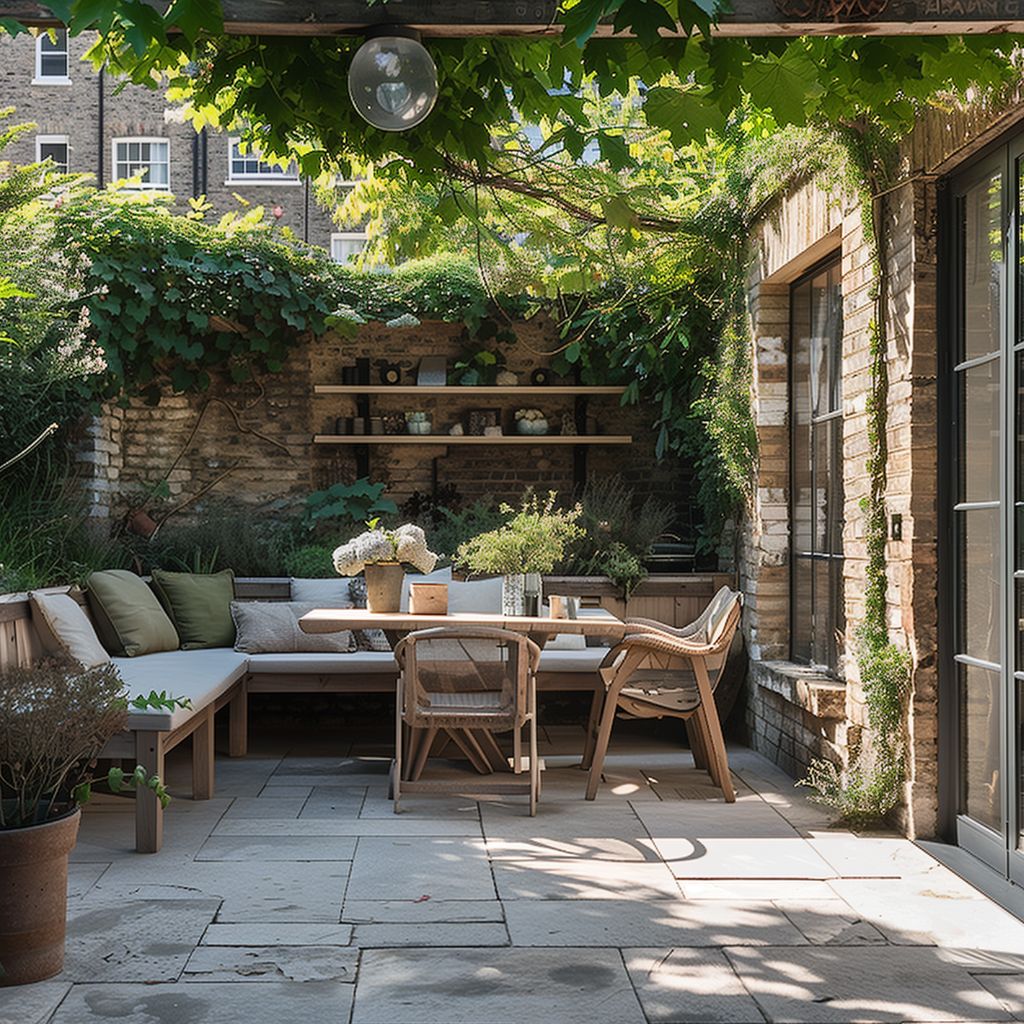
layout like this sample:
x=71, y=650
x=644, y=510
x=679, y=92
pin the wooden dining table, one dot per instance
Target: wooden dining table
x=479, y=748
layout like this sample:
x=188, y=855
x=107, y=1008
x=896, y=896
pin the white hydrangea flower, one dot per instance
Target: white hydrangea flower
x=406, y=544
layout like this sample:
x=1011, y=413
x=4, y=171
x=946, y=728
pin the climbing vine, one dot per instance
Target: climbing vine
x=872, y=783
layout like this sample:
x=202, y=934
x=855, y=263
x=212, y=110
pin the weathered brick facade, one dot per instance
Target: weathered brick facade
x=261, y=436
x=795, y=714
x=90, y=111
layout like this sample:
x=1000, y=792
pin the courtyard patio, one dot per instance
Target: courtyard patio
x=297, y=893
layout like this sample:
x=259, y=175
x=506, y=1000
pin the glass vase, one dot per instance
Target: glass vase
x=533, y=599
x=513, y=594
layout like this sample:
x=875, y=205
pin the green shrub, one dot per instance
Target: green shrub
x=450, y=528
x=310, y=561
x=348, y=504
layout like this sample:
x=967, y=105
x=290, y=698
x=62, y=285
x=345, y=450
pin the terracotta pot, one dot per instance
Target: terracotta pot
x=142, y=523
x=33, y=899
x=384, y=586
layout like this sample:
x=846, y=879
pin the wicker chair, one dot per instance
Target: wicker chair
x=658, y=671
x=468, y=682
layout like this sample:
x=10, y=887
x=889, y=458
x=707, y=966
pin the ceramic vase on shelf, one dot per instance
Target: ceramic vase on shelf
x=384, y=586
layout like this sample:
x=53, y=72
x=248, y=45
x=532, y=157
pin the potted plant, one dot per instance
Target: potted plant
x=379, y=554
x=531, y=543
x=55, y=718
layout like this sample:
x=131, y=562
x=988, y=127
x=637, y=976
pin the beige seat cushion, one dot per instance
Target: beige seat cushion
x=64, y=628
x=358, y=663
x=200, y=676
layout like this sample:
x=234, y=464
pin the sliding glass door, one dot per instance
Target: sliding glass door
x=986, y=495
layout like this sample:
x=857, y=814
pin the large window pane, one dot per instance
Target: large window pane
x=982, y=267
x=979, y=745
x=979, y=459
x=816, y=484
x=979, y=584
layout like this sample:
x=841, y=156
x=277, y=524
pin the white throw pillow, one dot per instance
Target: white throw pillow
x=437, y=576
x=475, y=595
x=329, y=593
x=65, y=628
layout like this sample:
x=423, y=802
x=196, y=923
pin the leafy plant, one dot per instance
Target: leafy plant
x=157, y=702
x=310, y=561
x=356, y=503
x=532, y=539
x=454, y=527
x=55, y=719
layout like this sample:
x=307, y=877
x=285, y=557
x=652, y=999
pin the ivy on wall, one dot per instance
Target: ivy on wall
x=873, y=781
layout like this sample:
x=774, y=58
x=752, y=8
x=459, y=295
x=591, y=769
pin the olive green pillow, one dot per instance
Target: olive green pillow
x=199, y=605
x=128, y=618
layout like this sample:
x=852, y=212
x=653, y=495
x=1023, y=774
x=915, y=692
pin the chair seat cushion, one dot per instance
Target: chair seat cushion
x=357, y=663
x=200, y=676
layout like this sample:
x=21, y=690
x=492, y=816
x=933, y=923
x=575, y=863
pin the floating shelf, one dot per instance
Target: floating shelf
x=446, y=439
x=457, y=389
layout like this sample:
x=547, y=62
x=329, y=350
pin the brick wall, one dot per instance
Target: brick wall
x=261, y=435
x=786, y=716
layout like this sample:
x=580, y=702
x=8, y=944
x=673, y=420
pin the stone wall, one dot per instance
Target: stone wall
x=254, y=443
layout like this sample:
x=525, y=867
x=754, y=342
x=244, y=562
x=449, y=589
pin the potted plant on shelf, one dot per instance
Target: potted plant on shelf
x=531, y=543
x=55, y=719
x=379, y=554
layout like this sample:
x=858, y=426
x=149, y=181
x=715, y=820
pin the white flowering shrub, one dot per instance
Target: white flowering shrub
x=406, y=544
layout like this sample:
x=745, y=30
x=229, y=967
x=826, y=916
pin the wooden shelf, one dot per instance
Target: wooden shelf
x=446, y=439
x=458, y=389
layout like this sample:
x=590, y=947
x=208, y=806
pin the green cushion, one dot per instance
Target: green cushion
x=128, y=618
x=199, y=605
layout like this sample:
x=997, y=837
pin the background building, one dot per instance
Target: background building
x=88, y=122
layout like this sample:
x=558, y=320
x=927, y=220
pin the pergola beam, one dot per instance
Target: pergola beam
x=452, y=18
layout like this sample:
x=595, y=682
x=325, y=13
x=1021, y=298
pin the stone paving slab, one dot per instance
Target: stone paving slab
x=264, y=807
x=277, y=848
x=830, y=923
x=1008, y=991
x=277, y=933
x=411, y=867
x=570, y=878
x=756, y=889
x=136, y=940
x=207, y=1003
x=745, y=819
x=689, y=986
x=335, y=802
x=272, y=963
x=421, y=911
x=310, y=891
x=396, y=825
x=459, y=933
x=648, y=923
x=814, y=985
x=950, y=914
x=32, y=1004
x=853, y=856
x=742, y=858
x=494, y=986
x=83, y=876
x=271, y=789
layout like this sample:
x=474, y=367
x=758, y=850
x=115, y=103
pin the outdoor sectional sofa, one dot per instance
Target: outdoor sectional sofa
x=222, y=678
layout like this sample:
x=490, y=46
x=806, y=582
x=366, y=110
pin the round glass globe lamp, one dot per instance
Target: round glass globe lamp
x=392, y=82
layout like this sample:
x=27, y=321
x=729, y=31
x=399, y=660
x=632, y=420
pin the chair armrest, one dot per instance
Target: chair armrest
x=643, y=625
x=666, y=643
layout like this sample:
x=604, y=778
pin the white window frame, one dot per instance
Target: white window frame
x=289, y=176
x=54, y=140
x=144, y=186
x=40, y=78
x=347, y=236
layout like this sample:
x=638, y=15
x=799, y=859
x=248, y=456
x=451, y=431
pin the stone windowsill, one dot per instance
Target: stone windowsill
x=807, y=688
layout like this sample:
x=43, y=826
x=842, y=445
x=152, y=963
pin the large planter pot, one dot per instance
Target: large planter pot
x=33, y=899
x=384, y=586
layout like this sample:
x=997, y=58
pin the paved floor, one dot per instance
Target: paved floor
x=298, y=897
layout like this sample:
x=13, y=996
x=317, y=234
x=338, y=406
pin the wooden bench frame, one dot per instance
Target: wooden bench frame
x=20, y=644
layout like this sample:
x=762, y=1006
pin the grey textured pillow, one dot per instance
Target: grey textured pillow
x=272, y=627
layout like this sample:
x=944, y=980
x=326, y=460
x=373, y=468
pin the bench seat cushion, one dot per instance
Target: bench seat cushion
x=585, y=659
x=358, y=663
x=201, y=676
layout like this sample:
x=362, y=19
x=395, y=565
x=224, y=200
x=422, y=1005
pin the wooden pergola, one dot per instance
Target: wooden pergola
x=538, y=17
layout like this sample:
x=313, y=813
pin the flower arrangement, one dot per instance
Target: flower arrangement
x=407, y=543
x=531, y=541
x=531, y=421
